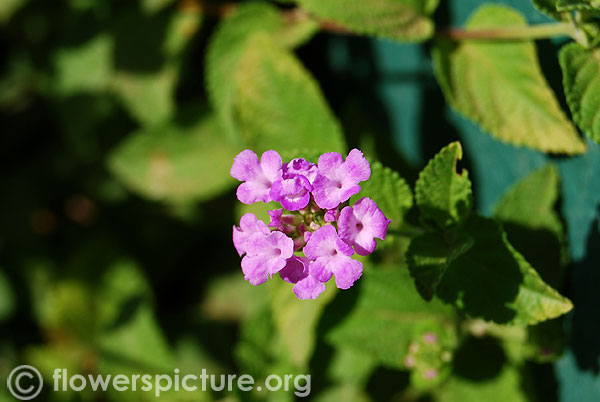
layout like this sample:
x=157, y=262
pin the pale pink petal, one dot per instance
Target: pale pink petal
x=250, y=192
x=322, y=243
x=356, y=166
x=361, y=224
x=308, y=288
x=270, y=162
x=245, y=166
x=327, y=193
x=319, y=269
x=347, y=272
x=329, y=164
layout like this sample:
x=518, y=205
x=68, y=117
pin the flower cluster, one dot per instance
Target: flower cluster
x=315, y=219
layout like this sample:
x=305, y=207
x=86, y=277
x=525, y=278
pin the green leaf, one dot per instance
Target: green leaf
x=578, y=5
x=153, y=6
x=443, y=195
x=531, y=223
x=389, y=190
x=278, y=104
x=387, y=316
x=121, y=288
x=228, y=45
x=172, y=163
x=7, y=298
x=493, y=281
x=428, y=257
x=501, y=87
x=351, y=366
x=182, y=27
x=254, y=351
x=137, y=344
x=85, y=68
x=64, y=306
x=430, y=356
x=296, y=320
x=149, y=97
x=531, y=201
x=548, y=7
x=581, y=80
x=228, y=298
x=8, y=8
x=345, y=392
x=403, y=20
x=504, y=387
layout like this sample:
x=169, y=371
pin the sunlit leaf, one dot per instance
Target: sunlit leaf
x=493, y=281
x=175, y=163
x=533, y=226
x=278, y=104
x=228, y=44
x=500, y=86
x=403, y=20
x=444, y=195
x=7, y=297
x=387, y=316
x=87, y=67
x=581, y=80
x=296, y=320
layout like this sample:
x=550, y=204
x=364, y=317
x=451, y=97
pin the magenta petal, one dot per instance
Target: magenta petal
x=276, y=222
x=347, y=272
x=296, y=269
x=300, y=167
x=293, y=193
x=308, y=288
x=331, y=215
x=296, y=202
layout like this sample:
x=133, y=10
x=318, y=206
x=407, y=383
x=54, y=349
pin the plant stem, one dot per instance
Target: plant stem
x=541, y=31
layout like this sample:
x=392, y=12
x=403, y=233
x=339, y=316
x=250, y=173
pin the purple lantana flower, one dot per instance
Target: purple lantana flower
x=361, y=224
x=294, y=187
x=305, y=285
x=329, y=256
x=258, y=177
x=314, y=210
x=337, y=179
x=300, y=166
